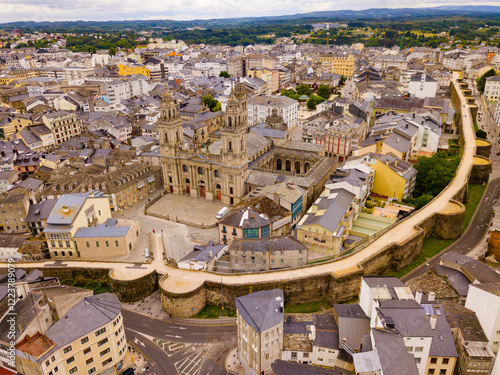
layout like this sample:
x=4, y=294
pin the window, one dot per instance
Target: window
x=442, y=372
x=116, y=243
x=409, y=349
x=97, y=244
x=101, y=331
x=87, y=350
x=107, y=361
x=73, y=370
x=305, y=355
x=419, y=348
x=102, y=342
x=431, y=371
x=69, y=360
x=88, y=243
x=84, y=340
x=446, y=361
x=104, y=352
x=47, y=363
x=52, y=359
x=417, y=360
x=107, y=243
x=89, y=361
x=67, y=349
x=92, y=370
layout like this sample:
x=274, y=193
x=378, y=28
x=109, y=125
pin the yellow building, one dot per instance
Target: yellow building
x=393, y=177
x=127, y=70
x=326, y=224
x=72, y=212
x=15, y=125
x=89, y=339
x=440, y=365
x=339, y=63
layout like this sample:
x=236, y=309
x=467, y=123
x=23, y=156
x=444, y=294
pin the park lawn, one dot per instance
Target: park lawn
x=474, y=195
x=214, y=312
x=310, y=307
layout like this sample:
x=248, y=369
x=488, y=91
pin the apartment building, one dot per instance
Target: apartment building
x=89, y=339
x=340, y=62
x=14, y=206
x=38, y=214
x=270, y=76
x=63, y=125
x=259, y=254
x=117, y=91
x=260, y=319
x=492, y=88
x=326, y=224
x=261, y=107
x=244, y=223
x=422, y=86
x=127, y=70
x=70, y=213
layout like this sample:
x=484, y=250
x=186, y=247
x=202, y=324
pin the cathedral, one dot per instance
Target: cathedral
x=240, y=159
x=190, y=168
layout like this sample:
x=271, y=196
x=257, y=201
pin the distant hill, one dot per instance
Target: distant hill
x=344, y=15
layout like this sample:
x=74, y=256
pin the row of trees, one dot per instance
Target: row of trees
x=323, y=93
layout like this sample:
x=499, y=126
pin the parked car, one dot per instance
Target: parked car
x=129, y=371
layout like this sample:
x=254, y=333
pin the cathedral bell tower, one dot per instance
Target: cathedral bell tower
x=169, y=125
x=234, y=130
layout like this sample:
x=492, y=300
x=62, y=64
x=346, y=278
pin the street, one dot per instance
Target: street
x=172, y=348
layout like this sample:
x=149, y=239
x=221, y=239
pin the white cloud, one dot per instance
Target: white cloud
x=94, y=10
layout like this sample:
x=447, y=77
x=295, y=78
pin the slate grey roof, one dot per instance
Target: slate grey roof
x=281, y=367
x=74, y=202
x=480, y=272
x=40, y=211
x=335, y=209
x=457, y=258
x=246, y=218
x=204, y=253
x=443, y=344
x=31, y=184
x=85, y=317
x=262, y=310
x=352, y=310
x=460, y=317
x=101, y=231
x=398, y=142
x=409, y=322
x=392, y=354
x=26, y=312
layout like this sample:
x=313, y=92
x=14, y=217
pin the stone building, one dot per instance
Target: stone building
x=221, y=170
x=259, y=254
x=14, y=206
x=189, y=169
x=260, y=319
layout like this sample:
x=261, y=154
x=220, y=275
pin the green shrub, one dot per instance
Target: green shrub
x=69, y=282
x=93, y=285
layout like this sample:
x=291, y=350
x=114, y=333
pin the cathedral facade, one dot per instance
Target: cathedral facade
x=217, y=172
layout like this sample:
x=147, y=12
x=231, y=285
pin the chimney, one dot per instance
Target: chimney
x=418, y=296
x=433, y=321
x=65, y=209
x=432, y=297
x=314, y=208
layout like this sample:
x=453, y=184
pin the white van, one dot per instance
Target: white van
x=221, y=213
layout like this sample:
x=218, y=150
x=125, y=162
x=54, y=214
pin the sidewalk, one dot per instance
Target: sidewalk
x=133, y=359
x=150, y=305
x=233, y=364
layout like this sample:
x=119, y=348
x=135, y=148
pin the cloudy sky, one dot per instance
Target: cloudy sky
x=103, y=10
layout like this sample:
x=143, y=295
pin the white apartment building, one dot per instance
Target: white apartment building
x=117, y=91
x=260, y=107
x=492, y=88
x=422, y=86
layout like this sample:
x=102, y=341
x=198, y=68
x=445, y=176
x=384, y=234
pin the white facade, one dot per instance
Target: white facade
x=425, y=87
x=492, y=88
x=117, y=91
x=259, y=108
x=138, y=86
x=486, y=305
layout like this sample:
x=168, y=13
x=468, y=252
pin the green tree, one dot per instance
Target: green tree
x=211, y=103
x=112, y=51
x=224, y=74
x=481, y=134
x=481, y=81
x=313, y=101
x=304, y=90
x=435, y=173
x=324, y=91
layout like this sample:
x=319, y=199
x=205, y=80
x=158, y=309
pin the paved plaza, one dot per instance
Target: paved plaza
x=187, y=209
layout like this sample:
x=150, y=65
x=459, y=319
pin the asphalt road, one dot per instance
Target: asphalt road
x=475, y=232
x=214, y=341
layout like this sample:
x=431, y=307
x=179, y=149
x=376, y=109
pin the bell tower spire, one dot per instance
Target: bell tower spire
x=169, y=124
